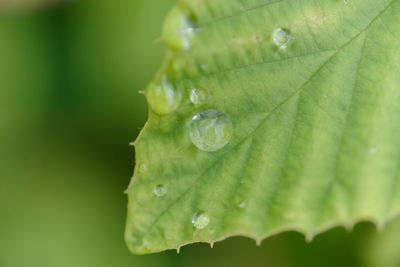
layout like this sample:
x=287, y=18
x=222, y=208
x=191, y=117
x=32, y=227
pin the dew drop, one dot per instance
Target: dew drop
x=210, y=130
x=142, y=167
x=179, y=28
x=346, y=2
x=160, y=190
x=200, y=220
x=163, y=97
x=282, y=37
x=198, y=96
x=242, y=204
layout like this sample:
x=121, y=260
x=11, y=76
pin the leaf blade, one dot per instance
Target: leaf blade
x=312, y=101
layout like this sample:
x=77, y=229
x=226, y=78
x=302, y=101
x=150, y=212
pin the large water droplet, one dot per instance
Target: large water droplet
x=200, y=220
x=198, y=96
x=163, y=97
x=180, y=28
x=210, y=130
x=282, y=37
x=160, y=190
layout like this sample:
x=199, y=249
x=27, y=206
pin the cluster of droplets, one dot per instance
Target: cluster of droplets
x=209, y=130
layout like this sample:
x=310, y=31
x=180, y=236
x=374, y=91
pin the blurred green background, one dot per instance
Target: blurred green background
x=69, y=106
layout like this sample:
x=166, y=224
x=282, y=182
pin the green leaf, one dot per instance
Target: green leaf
x=312, y=90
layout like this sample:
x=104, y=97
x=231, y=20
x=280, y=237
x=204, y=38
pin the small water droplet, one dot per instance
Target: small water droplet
x=163, y=97
x=198, y=96
x=282, y=37
x=200, y=220
x=346, y=2
x=142, y=167
x=180, y=28
x=160, y=190
x=242, y=204
x=210, y=130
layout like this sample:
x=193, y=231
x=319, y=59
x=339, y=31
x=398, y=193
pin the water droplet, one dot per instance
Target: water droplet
x=346, y=2
x=198, y=96
x=373, y=150
x=180, y=28
x=282, y=37
x=242, y=204
x=163, y=97
x=200, y=220
x=210, y=130
x=160, y=190
x=142, y=167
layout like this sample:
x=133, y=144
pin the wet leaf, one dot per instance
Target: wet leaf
x=312, y=90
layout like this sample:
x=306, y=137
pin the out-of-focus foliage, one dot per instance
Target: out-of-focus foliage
x=69, y=106
x=69, y=77
x=13, y=5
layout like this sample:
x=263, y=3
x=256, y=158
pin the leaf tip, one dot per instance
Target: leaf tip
x=380, y=226
x=349, y=227
x=133, y=143
x=309, y=237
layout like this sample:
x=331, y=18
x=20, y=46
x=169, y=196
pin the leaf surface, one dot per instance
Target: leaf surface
x=316, y=121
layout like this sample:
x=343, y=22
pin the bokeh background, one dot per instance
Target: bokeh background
x=70, y=72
